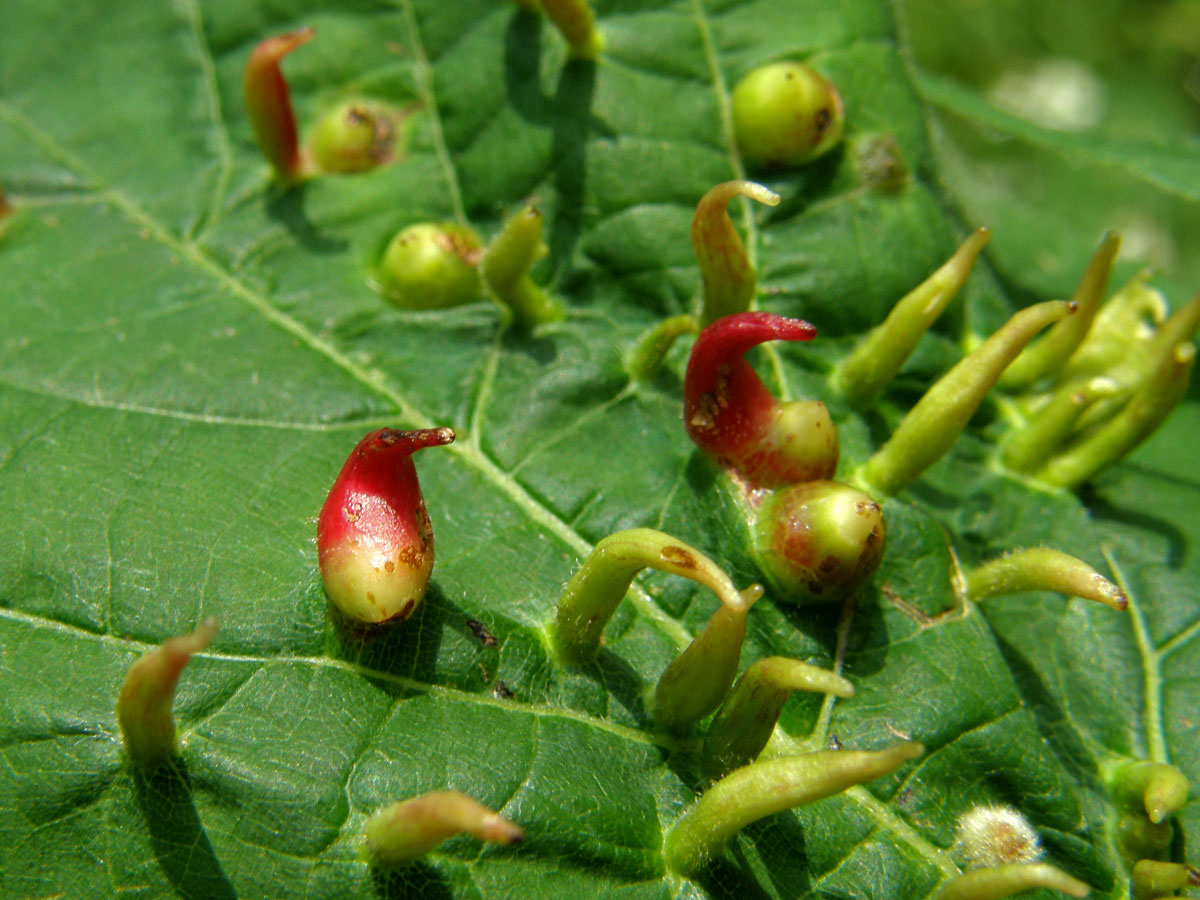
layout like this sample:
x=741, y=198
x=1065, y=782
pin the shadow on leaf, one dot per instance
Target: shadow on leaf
x=418, y=881
x=286, y=206
x=180, y=844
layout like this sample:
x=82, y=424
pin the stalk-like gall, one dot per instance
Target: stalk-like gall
x=743, y=725
x=652, y=348
x=1158, y=789
x=696, y=682
x=726, y=273
x=403, y=832
x=934, y=424
x=374, y=538
x=577, y=23
x=597, y=588
x=818, y=541
x=432, y=266
x=144, y=705
x=761, y=789
x=506, y=263
x=877, y=359
x=1043, y=569
x=786, y=113
x=1151, y=878
x=1050, y=353
x=269, y=103
x=734, y=419
x=1005, y=881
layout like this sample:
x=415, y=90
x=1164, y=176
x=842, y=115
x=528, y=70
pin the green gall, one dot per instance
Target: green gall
x=432, y=266
x=1140, y=838
x=729, y=279
x=647, y=356
x=877, y=359
x=355, y=136
x=696, y=682
x=577, y=23
x=743, y=725
x=786, y=113
x=934, y=424
x=505, y=265
x=764, y=788
x=597, y=588
x=404, y=832
x=1005, y=881
x=1043, y=569
x=148, y=693
x=1156, y=788
x=1151, y=878
x=818, y=541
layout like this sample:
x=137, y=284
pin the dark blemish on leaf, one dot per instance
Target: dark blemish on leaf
x=501, y=691
x=678, y=556
x=833, y=743
x=481, y=633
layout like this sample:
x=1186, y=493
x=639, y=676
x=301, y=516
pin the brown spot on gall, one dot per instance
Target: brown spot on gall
x=678, y=556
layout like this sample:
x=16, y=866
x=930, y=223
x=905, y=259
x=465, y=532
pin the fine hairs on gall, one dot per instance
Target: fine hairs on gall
x=995, y=836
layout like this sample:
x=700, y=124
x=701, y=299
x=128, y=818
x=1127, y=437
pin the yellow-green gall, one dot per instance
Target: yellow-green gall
x=786, y=113
x=432, y=266
x=354, y=136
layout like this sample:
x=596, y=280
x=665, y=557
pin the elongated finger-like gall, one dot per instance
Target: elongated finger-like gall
x=1156, y=398
x=1156, y=788
x=577, y=22
x=1051, y=352
x=1005, y=881
x=743, y=725
x=652, y=348
x=1051, y=425
x=374, y=538
x=935, y=423
x=144, y=705
x=1043, y=569
x=728, y=277
x=595, y=591
x=734, y=419
x=696, y=682
x=818, y=541
x=506, y=263
x=1151, y=878
x=269, y=103
x=881, y=353
x=403, y=832
x=761, y=789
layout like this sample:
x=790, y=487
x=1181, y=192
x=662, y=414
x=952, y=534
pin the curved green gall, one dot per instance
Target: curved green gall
x=1005, y=881
x=727, y=275
x=743, y=725
x=818, y=541
x=939, y=417
x=432, y=266
x=577, y=23
x=148, y=693
x=1043, y=569
x=696, y=682
x=374, y=537
x=647, y=356
x=403, y=832
x=269, y=104
x=597, y=588
x=764, y=788
x=1140, y=838
x=989, y=836
x=355, y=136
x=1156, y=788
x=1050, y=353
x=876, y=360
x=505, y=265
x=1152, y=878
x=786, y=113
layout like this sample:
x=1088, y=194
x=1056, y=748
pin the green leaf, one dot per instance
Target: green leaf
x=190, y=351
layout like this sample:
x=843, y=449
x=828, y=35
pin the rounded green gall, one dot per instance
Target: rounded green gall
x=818, y=541
x=355, y=136
x=432, y=266
x=786, y=113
